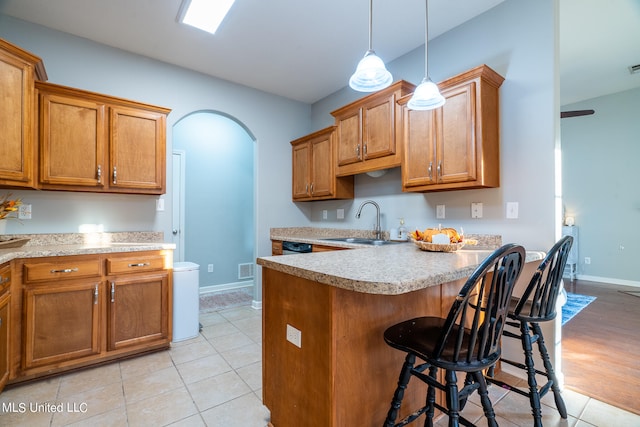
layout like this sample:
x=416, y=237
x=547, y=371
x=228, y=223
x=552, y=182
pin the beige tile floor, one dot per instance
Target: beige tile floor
x=215, y=380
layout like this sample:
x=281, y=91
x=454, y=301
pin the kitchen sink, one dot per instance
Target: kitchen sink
x=361, y=240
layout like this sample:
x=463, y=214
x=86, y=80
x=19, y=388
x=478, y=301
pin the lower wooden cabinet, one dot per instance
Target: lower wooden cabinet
x=5, y=295
x=61, y=323
x=138, y=311
x=81, y=310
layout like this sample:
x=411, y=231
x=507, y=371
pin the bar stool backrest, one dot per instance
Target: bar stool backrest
x=538, y=302
x=470, y=337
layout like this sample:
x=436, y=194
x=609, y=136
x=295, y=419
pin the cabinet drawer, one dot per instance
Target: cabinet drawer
x=63, y=269
x=5, y=277
x=135, y=264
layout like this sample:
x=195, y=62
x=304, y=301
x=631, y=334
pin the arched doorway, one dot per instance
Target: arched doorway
x=217, y=171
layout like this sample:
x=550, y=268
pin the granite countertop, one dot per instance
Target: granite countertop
x=64, y=244
x=385, y=270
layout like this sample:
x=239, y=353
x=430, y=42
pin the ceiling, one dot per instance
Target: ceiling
x=280, y=46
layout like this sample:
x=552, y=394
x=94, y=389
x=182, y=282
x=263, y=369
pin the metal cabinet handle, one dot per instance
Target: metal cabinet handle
x=358, y=151
x=312, y=188
x=140, y=264
x=113, y=292
x=99, y=174
x=4, y=279
x=439, y=168
x=174, y=231
x=364, y=150
x=115, y=175
x=430, y=171
x=95, y=295
x=66, y=270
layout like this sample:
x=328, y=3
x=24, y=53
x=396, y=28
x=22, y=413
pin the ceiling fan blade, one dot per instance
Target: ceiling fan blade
x=576, y=113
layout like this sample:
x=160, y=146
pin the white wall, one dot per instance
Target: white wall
x=77, y=62
x=517, y=39
x=600, y=162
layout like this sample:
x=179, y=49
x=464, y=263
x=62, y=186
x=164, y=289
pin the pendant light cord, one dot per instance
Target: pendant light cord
x=426, y=39
x=370, y=25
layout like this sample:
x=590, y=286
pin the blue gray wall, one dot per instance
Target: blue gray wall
x=600, y=162
x=518, y=40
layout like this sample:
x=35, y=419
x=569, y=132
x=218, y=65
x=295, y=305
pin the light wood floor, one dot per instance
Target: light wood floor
x=600, y=346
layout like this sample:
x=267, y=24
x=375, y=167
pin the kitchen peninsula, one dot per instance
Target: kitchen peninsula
x=324, y=358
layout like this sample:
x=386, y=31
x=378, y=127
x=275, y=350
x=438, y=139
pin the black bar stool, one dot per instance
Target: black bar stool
x=468, y=340
x=538, y=304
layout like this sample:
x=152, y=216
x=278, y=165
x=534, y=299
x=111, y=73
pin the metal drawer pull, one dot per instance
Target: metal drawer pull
x=4, y=280
x=66, y=270
x=140, y=264
x=95, y=295
x=99, y=174
x=113, y=292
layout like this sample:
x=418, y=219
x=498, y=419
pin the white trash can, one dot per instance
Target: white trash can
x=186, y=300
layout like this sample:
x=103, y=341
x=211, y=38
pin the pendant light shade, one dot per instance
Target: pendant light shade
x=371, y=74
x=426, y=96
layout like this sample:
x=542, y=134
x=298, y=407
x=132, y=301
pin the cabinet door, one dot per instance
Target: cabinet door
x=378, y=127
x=456, y=151
x=419, y=137
x=322, y=172
x=138, y=311
x=61, y=323
x=4, y=339
x=349, y=137
x=301, y=174
x=17, y=120
x=137, y=154
x=72, y=141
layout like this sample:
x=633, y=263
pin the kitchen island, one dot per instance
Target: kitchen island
x=335, y=306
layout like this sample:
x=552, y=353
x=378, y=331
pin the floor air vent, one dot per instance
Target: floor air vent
x=245, y=271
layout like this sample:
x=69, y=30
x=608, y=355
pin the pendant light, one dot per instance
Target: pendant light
x=426, y=96
x=371, y=74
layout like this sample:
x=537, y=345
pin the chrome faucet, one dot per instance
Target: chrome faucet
x=371, y=202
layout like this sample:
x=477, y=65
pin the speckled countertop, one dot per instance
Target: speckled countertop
x=63, y=244
x=386, y=270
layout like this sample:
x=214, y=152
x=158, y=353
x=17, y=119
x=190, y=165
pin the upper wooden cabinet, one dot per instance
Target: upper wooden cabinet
x=457, y=145
x=368, y=131
x=18, y=71
x=94, y=142
x=314, y=176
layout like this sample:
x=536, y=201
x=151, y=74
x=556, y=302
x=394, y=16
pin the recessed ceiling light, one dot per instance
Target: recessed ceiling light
x=205, y=15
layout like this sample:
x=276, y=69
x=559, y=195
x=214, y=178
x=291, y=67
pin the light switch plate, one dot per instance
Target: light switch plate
x=440, y=211
x=24, y=212
x=512, y=210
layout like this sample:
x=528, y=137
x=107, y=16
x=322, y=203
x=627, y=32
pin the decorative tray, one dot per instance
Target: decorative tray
x=13, y=242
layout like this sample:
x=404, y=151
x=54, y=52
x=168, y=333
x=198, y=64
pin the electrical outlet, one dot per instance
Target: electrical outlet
x=210, y=268
x=512, y=210
x=340, y=214
x=160, y=205
x=325, y=214
x=24, y=212
x=476, y=210
x=587, y=260
x=294, y=336
x=440, y=211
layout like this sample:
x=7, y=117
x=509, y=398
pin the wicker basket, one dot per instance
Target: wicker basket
x=435, y=247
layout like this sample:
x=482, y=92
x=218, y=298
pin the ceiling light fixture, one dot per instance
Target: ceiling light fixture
x=206, y=15
x=371, y=74
x=426, y=96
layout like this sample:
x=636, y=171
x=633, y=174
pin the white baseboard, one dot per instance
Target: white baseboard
x=225, y=287
x=609, y=280
x=256, y=305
